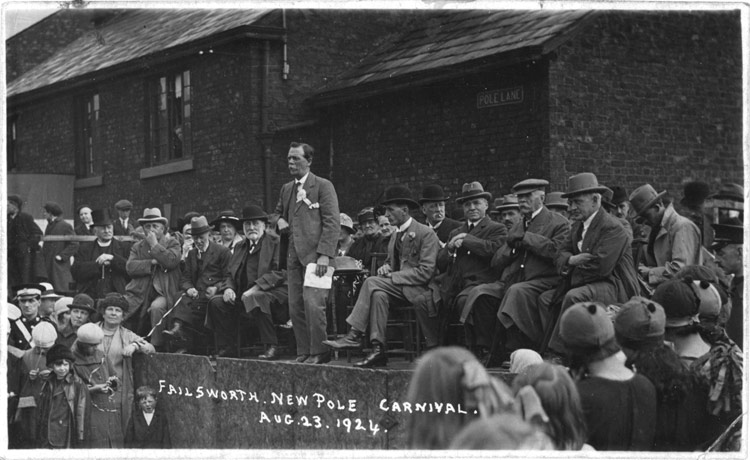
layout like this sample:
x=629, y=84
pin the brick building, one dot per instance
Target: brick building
x=147, y=106
x=499, y=96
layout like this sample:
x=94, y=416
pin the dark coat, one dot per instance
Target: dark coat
x=315, y=227
x=363, y=248
x=211, y=270
x=58, y=273
x=87, y=272
x=140, y=435
x=443, y=232
x=166, y=274
x=608, y=240
x=24, y=236
x=81, y=229
x=118, y=230
x=269, y=275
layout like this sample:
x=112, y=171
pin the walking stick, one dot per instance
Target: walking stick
x=164, y=316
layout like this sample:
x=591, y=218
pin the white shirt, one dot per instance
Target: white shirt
x=586, y=224
x=404, y=227
x=302, y=181
x=148, y=416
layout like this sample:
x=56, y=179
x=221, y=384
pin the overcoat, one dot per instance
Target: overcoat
x=677, y=245
x=58, y=273
x=166, y=273
x=88, y=274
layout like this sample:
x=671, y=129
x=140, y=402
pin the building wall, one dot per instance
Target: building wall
x=649, y=97
x=437, y=134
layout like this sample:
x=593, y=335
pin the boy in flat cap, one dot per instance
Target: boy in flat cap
x=123, y=225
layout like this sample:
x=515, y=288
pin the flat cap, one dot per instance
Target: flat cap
x=529, y=185
x=123, y=205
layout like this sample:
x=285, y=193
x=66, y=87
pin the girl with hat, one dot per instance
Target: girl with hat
x=64, y=404
x=81, y=308
x=118, y=345
x=681, y=414
x=606, y=386
x=229, y=227
x=99, y=376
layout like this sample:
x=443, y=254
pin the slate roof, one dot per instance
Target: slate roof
x=132, y=35
x=452, y=38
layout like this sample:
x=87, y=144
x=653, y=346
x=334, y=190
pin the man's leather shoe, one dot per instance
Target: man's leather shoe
x=351, y=340
x=302, y=358
x=322, y=358
x=378, y=357
x=270, y=354
x=176, y=331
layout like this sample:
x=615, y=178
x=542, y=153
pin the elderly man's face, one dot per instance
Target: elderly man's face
x=227, y=230
x=385, y=226
x=510, y=217
x=434, y=212
x=85, y=215
x=104, y=233
x=29, y=306
x=297, y=163
x=397, y=214
x=531, y=201
x=156, y=228
x=729, y=258
x=370, y=228
x=254, y=229
x=201, y=241
x=475, y=210
x=78, y=317
x=583, y=206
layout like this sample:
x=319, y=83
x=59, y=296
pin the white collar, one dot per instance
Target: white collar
x=104, y=245
x=536, y=213
x=302, y=181
x=405, y=225
x=434, y=227
x=587, y=222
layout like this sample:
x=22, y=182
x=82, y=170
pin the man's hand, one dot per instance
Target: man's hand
x=456, y=242
x=130, y=349
x=384, y=270
x=104, y=259
x=151, y=239
x=211, y=290
x=249, y=292
x=192, y=293
x=322, y=267
x=643, y=271
x=515, y=236
x=580, y=259
x=229, y=296
x=282, y=224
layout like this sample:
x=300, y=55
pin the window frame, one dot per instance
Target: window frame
x=168, y=101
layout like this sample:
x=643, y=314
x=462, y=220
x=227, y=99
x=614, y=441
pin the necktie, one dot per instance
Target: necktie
x=397, y=252
x=471, y=227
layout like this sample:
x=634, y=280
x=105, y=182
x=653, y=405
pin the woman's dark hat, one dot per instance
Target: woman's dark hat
x=114, y=299
x=399, y=194
x=226, y=216
x=59, y=352
x=83, y=302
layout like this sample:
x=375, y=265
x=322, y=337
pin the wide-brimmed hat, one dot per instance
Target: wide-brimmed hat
x=226, y=216
x=556, y=200
x=643, y=198
x=199, y=226
x=49, y=292
x=471, y=190
x=123, y=205
x=619, y=195
x=727, y=234
x=29, y=290
x=607, y=198
x=508, y=202
x=729, y=191
x=529, y=185
x=114, y=299
x=59, y=352
x=253, y=212
x=83, y=302
x=153, y=215
x=101, y=217
x=432, y=193
x=366, y=214
x=347, y=223
x=399, y=194
x=583, y=183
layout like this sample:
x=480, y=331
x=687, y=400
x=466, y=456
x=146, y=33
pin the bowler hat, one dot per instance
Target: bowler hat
x=640, y=321
x=607, y=198
x=153, y=215
x=725, y=234
x=680, y=302
x=15, y=199
x=346, y=222
x=59, y=352
x=729, y=191
x=83, y=302
x=29, y=290
x=509, y=202
x=114, y=299
x=587, y=331
x=226, y=216
x=366, y=214
x=346, y=264
x=619, y=195
x=49, y=292
x=253, y=212
x=643, y=198
x=123, y=205
x=199, y=226
x=472, y=190
x=44, y=334
x=399, y=194
x=555, y=200
x=101, y=217
x=53, y=208
x=90, y=333
x=694, y=193
x=529, y=185
x=432, y=193
x=583, y=183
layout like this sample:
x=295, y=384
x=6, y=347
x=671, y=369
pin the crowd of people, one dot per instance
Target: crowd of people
x=628, y=305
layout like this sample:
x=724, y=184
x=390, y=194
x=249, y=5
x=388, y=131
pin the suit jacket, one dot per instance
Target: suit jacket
x=166, y=273
x=444, y=230
x=677, y=245
x=118, y=229
x=363, y=248
x=269, y=275
x=472, y=260
x=545, y=234
x=140, y=435
x=417, y=260
x=608, y=240
x=81, y=229
x=24, y=260
x=87, y=272
x=207, y=272
x=314, y=228
x=58, y=273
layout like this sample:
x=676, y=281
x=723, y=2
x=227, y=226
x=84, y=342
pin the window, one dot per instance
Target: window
x=169, y=118
x=12, y=134
x=88, y=146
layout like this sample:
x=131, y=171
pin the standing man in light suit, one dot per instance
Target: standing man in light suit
x=309, y=211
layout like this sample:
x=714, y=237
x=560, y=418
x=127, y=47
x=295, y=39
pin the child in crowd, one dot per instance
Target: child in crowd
x=64, y=403
x=147, y=428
